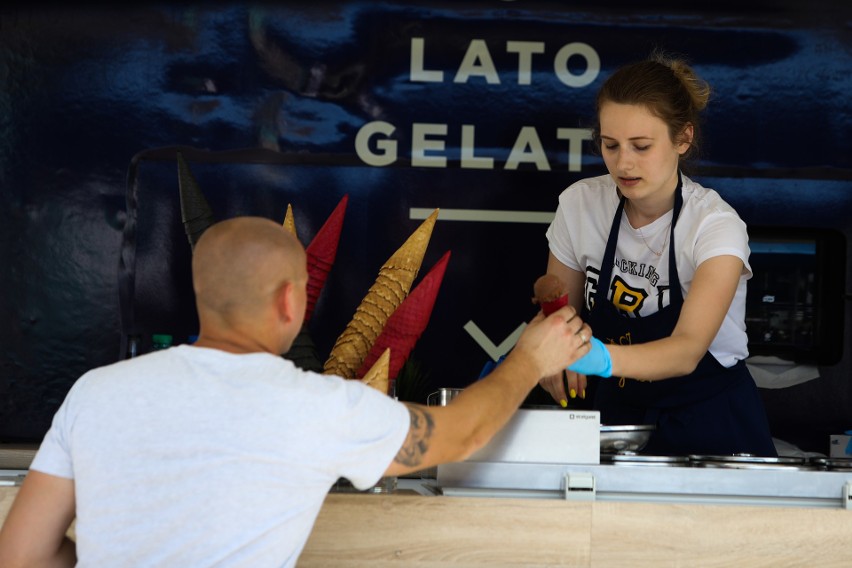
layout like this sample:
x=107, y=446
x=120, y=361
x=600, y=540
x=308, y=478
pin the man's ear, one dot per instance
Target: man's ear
x=284, y=302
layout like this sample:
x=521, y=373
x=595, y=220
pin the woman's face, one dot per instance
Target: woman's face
x=638, y=152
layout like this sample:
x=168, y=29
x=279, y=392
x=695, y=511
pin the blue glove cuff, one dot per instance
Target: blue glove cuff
x=596, y=362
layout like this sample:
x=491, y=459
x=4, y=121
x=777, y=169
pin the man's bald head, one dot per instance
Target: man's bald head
x=239, y=265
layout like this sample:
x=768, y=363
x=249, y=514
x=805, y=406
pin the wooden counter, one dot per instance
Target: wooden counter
x=370, y=530
x=413, y=530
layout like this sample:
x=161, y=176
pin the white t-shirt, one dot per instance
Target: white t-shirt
x=197, y=457
x=707, y=227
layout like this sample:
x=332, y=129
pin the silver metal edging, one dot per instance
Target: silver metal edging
x=654, y=498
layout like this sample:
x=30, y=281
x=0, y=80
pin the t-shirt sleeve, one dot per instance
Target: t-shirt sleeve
x=54, y=453
x=377, y=427
x=559, y=237
x=723, y=234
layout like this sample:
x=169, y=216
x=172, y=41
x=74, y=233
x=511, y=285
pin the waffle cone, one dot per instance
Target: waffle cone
x=408, y=322
x=382, y=299
x=289, y=221
x=377, y=376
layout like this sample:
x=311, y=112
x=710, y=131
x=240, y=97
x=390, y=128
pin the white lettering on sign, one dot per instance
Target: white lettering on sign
x=468, y=159
x=385, y=152
x=417, y=72
x=477, y=62
x=587, y=52
x=525, y=51
x=377, y=142
x=528, y=148
x=422, y=141
x=376, y=147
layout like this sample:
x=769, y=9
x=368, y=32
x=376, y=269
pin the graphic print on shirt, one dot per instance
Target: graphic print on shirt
x=632, y=300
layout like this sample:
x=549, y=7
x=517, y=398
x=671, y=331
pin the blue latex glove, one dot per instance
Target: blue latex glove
x=595, y=362
x=490, y=366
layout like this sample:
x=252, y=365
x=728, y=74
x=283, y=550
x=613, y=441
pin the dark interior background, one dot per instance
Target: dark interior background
x=266, y=100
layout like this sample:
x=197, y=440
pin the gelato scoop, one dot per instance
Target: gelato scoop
x=549, y=292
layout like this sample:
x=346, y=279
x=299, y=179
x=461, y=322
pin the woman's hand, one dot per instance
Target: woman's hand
x=555, y=385
x=576, y=384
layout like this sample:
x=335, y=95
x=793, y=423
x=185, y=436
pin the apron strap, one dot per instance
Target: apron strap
x=675, y=293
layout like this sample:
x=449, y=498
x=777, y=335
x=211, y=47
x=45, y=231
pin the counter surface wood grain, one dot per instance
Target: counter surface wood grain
x=362, y=530
x=371, y=530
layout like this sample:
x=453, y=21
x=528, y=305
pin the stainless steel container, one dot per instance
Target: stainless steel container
x=833, y=464
x=634, y=459
x=744, y=461
x=442, y=397
x=625, y=437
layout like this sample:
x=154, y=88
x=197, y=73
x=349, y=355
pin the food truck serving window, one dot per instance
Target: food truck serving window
x=795, y=303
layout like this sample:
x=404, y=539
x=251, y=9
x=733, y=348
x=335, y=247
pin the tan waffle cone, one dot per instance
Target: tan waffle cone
x=384, y=296
x=290, y=221
x=377, y=376
x=407, y=323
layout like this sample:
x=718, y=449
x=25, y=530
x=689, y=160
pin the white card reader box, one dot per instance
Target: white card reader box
x=546, y=436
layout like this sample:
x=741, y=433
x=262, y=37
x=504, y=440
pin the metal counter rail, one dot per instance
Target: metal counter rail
x=781, y=487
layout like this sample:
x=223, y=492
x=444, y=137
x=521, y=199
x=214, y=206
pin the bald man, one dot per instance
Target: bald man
x=221, y=453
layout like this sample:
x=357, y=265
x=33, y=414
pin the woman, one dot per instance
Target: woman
x=659, y=265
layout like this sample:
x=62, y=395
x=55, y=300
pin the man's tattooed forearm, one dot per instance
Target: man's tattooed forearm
x=419, y=434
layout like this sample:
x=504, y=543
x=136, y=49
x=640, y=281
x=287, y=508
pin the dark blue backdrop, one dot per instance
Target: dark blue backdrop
x=487, y=103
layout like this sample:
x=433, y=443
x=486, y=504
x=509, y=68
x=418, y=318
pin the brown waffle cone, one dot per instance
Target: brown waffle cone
x=407, y=323
x=384, y=296
x=290, y=221
x=377, y=376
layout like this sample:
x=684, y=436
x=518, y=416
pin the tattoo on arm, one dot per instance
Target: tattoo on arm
x=419, y=435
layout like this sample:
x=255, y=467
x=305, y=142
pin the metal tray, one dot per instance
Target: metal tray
x=625, y=437
x=745, y=461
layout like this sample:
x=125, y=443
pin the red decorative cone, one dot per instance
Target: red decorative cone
x=407, y=323
x=387, y=293
x=321, y=254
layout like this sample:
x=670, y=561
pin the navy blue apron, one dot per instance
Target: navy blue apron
x=712, y=411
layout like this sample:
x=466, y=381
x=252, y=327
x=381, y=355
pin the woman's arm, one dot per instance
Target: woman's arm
x=573, y=280
x=705, y=306
x=575, y=283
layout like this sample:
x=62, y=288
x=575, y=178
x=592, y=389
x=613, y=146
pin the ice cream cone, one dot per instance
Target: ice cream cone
x=377, y=376
x=384, y=296
x=549, y=293
x=289, y=221
x=407, y=323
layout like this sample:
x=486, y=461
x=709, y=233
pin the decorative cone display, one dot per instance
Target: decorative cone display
x=382, y=299
x=321, y=254
x=195, y=212
x=407, y=323
x=289, y=221
x=303, y=352
x=377, y=376
x=386, y=325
